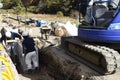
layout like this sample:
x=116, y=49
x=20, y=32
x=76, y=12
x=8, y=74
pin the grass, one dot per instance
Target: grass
x=49, y=17
x=46, y=17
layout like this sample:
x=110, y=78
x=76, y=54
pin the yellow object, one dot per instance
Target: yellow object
x=7, y=74
x=1, y=18
x=1, y=47
x=5, y=65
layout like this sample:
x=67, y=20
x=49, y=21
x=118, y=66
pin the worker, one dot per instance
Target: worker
x=31, y=57
x=87, y=20
x=11, y=46
x=10, y=36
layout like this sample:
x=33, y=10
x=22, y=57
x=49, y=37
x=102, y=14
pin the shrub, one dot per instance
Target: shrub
x=18, y=9
x=34, y=9
x=74, y=14
x=59, y=14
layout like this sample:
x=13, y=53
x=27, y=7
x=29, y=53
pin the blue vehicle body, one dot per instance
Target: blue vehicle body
x=108, y=34
x=99, y=35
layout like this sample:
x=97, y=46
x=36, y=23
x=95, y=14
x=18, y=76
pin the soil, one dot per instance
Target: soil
x=39, y=75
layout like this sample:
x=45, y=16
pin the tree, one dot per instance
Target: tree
x=18, y=3
x=11, y=3
x=28, y=3
x=18, y=10
x=7, y=3
x=1, y=1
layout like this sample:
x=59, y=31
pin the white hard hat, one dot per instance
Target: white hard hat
x=8, y=34
x=25, y=34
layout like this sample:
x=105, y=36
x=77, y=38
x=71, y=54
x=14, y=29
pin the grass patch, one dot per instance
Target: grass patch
x=46, y=17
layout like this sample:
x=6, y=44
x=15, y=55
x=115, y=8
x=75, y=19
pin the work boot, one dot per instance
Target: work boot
x=36, y=70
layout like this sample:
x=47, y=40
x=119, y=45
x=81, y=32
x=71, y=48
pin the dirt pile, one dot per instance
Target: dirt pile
x=59, y=66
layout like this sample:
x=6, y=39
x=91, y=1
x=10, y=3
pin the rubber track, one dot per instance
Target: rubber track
x=110, y=65
x=110, y=56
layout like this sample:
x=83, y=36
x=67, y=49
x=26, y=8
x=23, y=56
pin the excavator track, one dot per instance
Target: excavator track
x=100, y=58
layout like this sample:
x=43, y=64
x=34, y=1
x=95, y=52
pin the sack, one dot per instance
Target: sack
x=60, y=31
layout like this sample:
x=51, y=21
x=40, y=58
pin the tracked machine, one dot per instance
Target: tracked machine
x=97, y=45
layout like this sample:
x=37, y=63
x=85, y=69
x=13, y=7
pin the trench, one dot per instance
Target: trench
x=56, y=64
x=53, y=63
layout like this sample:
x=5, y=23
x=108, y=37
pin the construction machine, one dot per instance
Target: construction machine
x=97, y=45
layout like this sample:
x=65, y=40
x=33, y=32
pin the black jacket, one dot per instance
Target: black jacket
x=13, y=36
x=28, y=45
